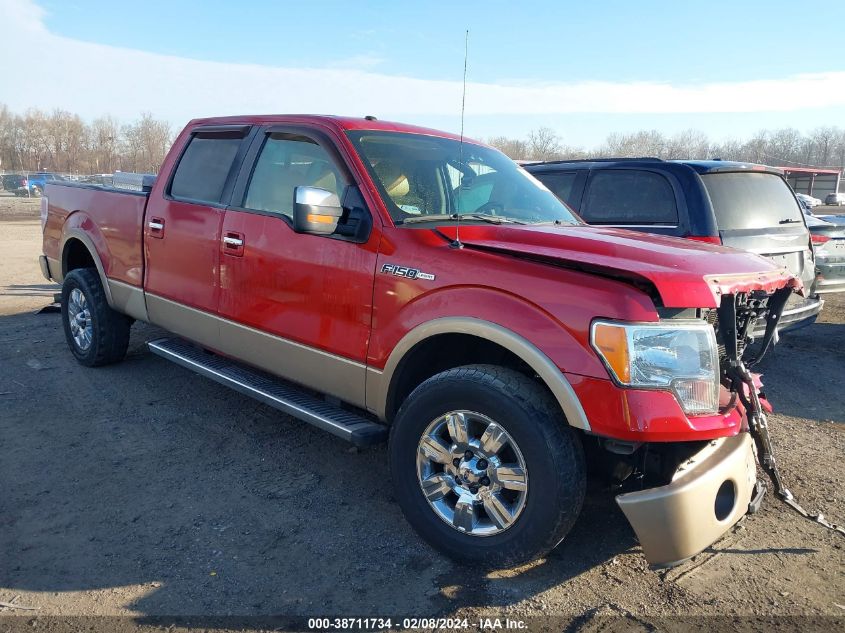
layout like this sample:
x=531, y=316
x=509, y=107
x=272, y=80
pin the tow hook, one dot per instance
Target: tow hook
x=757, y=500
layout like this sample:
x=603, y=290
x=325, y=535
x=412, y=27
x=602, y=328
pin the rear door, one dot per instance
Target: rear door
x=182, y=234
x=757, y=212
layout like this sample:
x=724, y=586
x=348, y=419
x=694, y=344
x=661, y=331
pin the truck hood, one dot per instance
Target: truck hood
x=684, y=273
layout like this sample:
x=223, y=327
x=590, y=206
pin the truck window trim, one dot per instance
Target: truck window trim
x=245, y=132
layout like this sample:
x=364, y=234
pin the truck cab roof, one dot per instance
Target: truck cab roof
x=343, y=123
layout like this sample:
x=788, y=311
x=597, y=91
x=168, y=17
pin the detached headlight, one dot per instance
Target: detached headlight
x=680, y=357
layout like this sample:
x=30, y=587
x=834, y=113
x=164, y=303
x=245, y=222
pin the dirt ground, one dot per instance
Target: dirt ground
x=144, y=490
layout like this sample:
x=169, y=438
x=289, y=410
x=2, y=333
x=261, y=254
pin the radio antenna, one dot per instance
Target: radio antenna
x=457, y=242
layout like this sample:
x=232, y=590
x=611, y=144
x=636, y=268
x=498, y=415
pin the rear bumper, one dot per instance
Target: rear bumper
x=796, y=316
x=708, y=494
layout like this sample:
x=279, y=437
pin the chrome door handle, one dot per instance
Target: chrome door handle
x=233, y=241
x=156, y=226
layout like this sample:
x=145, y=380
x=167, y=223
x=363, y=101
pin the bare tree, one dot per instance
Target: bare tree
x=784, y=145
x=543, y=144
x=103, y=141
x=839, y=149
x=62, y=141
x=511, y=147
x=824, y=139
x=688, y=144
x=148, y=141
x=642, y=143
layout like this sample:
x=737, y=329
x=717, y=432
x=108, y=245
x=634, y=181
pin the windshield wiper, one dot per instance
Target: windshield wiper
x=492, y=219
x=789, y=221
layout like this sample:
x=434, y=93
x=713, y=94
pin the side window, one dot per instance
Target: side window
x=286, y=162
x=559, y=183
x=202, y=171
x=629, y=196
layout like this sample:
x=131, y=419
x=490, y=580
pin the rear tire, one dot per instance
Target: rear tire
x=96, y=334
x=516, y=528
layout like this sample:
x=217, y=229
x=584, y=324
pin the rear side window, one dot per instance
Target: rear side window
x=630, y=196
x=559, y=183
x=749, y=200
x=203, y=169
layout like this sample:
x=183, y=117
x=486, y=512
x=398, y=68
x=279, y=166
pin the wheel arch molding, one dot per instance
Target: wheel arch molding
x=385, y=388
x=70, y=239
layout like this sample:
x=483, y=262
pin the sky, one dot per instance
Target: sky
x=585, y=69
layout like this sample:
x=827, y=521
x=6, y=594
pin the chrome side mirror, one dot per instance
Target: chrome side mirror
x=315, y=211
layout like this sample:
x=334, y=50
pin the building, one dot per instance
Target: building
x=812, y=180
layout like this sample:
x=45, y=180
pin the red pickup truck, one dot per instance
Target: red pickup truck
x=382, y=280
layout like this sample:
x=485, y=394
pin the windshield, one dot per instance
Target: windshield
x=427, y=178
x=748, y=200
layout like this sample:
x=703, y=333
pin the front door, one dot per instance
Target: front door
x=297, y=305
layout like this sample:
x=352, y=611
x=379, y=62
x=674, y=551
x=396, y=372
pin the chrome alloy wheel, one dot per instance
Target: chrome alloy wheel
x=79, y=318
x=472, y=473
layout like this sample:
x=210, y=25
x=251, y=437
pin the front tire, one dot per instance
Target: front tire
x=96, y=334
x=485, y=467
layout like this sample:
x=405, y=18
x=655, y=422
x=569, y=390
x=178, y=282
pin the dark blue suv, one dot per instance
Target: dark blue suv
x=743, y=205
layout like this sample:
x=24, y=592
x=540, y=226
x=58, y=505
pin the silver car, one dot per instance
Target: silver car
x=835, y=199
x=829, y=245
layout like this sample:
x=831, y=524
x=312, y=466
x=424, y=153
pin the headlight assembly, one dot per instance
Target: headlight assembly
x=681, y=357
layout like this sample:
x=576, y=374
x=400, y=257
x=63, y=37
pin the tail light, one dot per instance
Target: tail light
x=44, y=208
x=707, y=239
x=25, y=183
x=819, y=239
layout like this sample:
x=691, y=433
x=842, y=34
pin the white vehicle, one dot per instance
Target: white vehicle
x=809, y=201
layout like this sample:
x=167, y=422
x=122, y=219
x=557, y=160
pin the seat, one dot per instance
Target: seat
x=395, y=183
x=321, y=174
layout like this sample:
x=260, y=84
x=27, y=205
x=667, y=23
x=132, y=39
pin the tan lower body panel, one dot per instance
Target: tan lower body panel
x=128, y=299
x=313, y=368
x=707, y=496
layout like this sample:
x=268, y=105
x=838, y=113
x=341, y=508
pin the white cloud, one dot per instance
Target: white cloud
x=93, y=79
x=366, y=60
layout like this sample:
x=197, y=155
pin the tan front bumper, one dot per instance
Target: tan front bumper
x=708, y=494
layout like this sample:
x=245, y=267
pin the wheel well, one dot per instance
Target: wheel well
x=76, y=255
x=446, y=351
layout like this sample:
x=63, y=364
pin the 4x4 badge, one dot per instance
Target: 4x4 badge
x=404, y=271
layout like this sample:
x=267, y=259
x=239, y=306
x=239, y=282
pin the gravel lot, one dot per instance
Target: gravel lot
x=142, y=489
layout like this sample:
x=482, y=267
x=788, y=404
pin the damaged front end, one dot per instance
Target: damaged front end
x=706, y=487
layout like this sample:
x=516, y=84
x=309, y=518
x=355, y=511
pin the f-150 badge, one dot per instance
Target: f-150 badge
x=404, y=271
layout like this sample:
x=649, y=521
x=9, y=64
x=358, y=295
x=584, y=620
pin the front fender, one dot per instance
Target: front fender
x=543, y=342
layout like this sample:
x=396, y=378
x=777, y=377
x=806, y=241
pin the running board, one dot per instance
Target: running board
x=282, y=396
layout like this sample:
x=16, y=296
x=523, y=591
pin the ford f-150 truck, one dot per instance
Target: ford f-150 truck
x=380, y=281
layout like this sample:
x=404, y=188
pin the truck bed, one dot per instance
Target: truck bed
x=111, y=218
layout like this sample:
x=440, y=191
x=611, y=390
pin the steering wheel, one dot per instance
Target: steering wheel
x=490, y=208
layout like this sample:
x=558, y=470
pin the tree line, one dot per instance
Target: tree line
x=822, y=147
x=60, y=141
